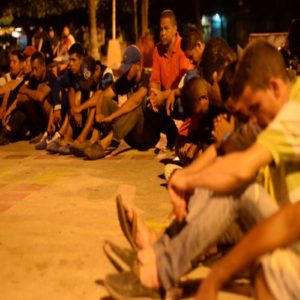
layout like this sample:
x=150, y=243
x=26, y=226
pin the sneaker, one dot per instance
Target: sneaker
x=53, y=146
x=64, y=150
x=112, y=147
x=36, y=139
x=94, y=152
x=4, y=138
x=42, y=144
x=126, y=285
x=78, y=149
x=170, y=169
x=123, y=259
x=56, y=136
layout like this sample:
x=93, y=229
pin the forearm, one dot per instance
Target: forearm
x=155, y=85
x=132, y=103
x=12, y=107
x=202, y=161
x=5, y=100
x=72, y=98
x=165, y=94
x=231, y=171
x=35, y=95
x=260, y=240
x=21, y=98
x=177, y=92
x=90, y=103
x=222, y=176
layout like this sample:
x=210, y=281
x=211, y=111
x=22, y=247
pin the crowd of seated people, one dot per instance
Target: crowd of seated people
x=237, y=146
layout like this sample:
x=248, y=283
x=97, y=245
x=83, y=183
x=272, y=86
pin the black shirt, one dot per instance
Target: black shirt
x=123, y=86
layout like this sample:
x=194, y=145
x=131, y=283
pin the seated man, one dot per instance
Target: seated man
x=77, y=125
x=134, y=121
x=34, y=96
x=205, y=203
x=20, y=69
x=60, y=97
x=216, y=55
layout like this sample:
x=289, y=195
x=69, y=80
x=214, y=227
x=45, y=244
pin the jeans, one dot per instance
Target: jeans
x=209, y=216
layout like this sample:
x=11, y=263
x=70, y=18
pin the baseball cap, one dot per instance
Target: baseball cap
x=88, y=66
x=132, y=55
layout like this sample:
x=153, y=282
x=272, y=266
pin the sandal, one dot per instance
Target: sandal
x=123, y=259
x=128, y=228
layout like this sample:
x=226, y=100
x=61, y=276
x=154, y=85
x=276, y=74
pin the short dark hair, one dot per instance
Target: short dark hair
x=190, y=94
x=169, y=13
x=19, y=54
x=215, y=56
x=260, y=61
x=77, y=49
x=226, y=81
x=37, y=55
x=191, y=37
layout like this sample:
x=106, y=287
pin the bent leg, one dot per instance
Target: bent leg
x=207, y=221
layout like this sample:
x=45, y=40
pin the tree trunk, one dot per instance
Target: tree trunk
x=198, y=14
x=94, y=51
x=136, y=34
x=145, y=6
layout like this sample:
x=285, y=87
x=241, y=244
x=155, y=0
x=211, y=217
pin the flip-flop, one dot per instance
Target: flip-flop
x=128, y=228
x=123, y=259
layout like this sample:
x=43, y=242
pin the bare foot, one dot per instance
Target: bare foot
x=148, y=269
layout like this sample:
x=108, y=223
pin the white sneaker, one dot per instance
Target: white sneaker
x=55, y=137
x=170, y=169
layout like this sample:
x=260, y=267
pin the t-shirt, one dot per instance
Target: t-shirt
x=107, y=79
x=123, y=86
x=48, y=80
x=282, y=139
x=168, y=68
x=62, y=85
x=198, y=128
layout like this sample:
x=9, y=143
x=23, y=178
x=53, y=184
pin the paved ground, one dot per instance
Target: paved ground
x=55, y=213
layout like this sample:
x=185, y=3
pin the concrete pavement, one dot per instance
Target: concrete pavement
x=56, y=211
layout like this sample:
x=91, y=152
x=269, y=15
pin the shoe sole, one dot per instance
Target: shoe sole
x=128, y=228
x=115, y=259
x=119, y=296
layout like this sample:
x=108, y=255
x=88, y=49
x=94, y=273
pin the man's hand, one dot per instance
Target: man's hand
x=57, y=118
x=77, y=109
x=179, y=193
x=2, y=113
x=156, y=99
x=6, y=119
x=23, y=89
x=208, y=290
x=99, y=117
x=222, y=127
x=107, y=119
x=78, y=119
x=170, y=103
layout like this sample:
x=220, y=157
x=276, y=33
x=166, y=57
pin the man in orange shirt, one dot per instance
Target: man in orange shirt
x=169, y=61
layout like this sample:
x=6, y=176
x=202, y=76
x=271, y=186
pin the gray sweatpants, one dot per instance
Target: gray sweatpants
x=209, y=216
